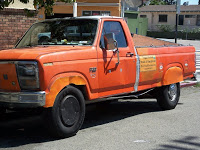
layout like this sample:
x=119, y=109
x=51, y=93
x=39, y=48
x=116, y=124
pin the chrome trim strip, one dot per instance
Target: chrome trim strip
x=24, y=97
x=137, y=71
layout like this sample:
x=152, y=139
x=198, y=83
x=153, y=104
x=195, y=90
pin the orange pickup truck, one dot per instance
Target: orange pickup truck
x=61, y=65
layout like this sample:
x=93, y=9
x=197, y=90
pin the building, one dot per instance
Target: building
x=189, y=17
x=14, y=23
x=84, y=8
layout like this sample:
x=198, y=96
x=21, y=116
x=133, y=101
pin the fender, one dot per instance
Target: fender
x=61, y=81
x=173, y=75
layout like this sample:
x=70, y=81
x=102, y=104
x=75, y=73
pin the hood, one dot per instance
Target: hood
x=33, y=52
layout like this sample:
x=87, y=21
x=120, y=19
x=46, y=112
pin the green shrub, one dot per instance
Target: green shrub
x=165, y=28
x=196, y=30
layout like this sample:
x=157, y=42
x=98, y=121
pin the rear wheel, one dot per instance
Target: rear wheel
x=168, y=96
x=67, y=115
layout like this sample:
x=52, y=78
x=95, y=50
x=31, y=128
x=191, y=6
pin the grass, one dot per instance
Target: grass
x=197, y=85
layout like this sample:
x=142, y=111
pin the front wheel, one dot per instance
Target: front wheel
x=168, y=96
x=67, y=115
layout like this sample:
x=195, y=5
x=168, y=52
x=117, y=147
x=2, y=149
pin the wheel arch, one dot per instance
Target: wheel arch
x=61, y=81
x=174, y=74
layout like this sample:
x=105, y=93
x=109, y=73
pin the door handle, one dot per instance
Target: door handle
x=129, y=54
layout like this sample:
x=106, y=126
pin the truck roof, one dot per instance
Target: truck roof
x=98, y=17
x=84, y=17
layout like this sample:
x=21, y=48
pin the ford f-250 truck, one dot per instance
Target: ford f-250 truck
x=63, y=64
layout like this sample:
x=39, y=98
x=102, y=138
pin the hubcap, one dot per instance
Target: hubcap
x=69, y=110
x=172, y=92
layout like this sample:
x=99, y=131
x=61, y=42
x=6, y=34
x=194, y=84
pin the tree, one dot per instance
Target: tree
x=46, y=4
x=170, y=2
x=163, y=2
x=157, y=2
x=199, y=2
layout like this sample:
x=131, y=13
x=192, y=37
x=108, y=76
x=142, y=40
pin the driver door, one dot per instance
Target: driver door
x=113, y=76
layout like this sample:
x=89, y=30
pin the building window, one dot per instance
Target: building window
x=190, y=16
x=58, y=15
x=143, y=16
x=162, y=18
x=87, y=13
x=198, y=20
x=181, y=20
x=96, y=13
x=105, y=13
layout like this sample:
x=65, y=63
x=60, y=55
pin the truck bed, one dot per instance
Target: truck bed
x=144, y=41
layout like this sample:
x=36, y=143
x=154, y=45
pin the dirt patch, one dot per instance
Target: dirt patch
x=144, y=41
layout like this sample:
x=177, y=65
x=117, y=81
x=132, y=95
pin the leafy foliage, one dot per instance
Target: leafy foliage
x=157, y=2
x=46, y=4
x=165, y=28
x=163, y=2
x=170, y=2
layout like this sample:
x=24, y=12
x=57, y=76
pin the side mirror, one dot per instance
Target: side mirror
x=132, y=34
x=110, y=42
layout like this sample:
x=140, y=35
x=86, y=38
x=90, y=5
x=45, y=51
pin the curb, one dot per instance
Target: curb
x=186, y=84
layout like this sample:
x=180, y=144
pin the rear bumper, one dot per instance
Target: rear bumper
x=22, y=99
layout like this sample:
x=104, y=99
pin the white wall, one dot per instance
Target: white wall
x=18, y=5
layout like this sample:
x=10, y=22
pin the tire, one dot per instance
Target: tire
x=66, y=117
x=2, y=111
x=168, y=96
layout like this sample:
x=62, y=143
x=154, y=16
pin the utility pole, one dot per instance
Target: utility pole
x=178, y=10
x=122, y=8
x=75, y=9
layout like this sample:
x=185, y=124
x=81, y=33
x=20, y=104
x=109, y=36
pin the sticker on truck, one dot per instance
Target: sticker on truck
x=147, y=63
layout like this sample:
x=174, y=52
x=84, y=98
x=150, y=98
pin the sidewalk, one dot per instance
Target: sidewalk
x=194, y=43
x=188, y=83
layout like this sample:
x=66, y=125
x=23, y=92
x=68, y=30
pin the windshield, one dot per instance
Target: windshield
x=60, y=32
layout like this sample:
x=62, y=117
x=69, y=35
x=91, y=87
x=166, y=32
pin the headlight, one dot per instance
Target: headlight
x=28, y=75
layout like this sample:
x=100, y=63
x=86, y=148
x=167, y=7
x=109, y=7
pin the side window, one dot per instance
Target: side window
x=116, y=28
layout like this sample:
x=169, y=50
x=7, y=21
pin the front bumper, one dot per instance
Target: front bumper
x=22, y=99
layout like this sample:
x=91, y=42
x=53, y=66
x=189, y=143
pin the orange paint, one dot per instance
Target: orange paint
x=173, y=75
x=11, y=83
x=60, y=84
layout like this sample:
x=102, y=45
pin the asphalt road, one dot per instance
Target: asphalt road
x=129, y=125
